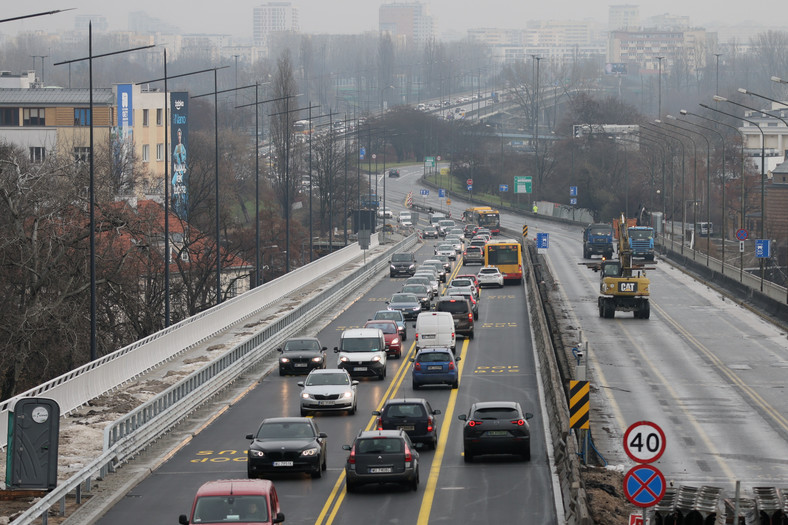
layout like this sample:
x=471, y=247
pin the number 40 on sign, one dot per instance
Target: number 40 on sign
x=644, y=442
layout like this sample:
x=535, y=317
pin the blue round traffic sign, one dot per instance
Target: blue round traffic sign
x=644, y=486
x=742, y=234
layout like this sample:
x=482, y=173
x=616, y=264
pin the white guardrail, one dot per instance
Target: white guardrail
x=75, y=388
x=132, y=433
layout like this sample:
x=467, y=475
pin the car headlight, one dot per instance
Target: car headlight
x=393, y=267
x=348, y=394
x=317, y=359
x=412, y=266
x=309, y=452
x=284, y=360
x=375, y=359
x=304, y=395
x=257, y=453
x=344, y=359
x=395, y=341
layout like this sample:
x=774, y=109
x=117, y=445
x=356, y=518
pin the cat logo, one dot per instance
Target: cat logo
x=627, y=287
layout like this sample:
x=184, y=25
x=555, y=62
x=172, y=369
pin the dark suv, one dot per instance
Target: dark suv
x=462, y=312
x=402, y=263
x=414, y=415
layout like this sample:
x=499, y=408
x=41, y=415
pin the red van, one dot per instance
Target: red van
x=238, y=501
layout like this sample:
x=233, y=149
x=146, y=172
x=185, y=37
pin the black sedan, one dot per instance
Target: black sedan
x=422, y=291
x=430, y=232
x=301, y=356
x=414, y=415
x=381, y=456
x=407, y=303
x=287, y=444
x=496, y=427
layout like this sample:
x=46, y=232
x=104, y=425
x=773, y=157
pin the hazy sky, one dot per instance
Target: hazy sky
x=355, y=16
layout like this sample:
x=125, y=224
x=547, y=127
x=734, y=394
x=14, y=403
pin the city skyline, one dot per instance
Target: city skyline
x=452, y=17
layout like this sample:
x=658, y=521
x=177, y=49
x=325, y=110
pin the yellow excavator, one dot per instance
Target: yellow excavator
x=623, y=285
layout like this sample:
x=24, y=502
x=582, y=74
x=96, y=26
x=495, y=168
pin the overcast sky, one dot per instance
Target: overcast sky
x=355, y=16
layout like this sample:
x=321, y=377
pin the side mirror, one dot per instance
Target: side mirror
x=376, y=412
x=458, y=358
x=322, y=435
x=280, y=518
x=301, y=384
x=528, y=415
x=462, y=417
x=346, y=447
x=324, y=348
x=279, y=350
x=336, y=350
x=183, y=519
x=412, y=359
x=354, y=382
x=436, y=411
x=249, y=436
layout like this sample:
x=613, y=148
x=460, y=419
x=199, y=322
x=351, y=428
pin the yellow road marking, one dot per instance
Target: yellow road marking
x=440, y=450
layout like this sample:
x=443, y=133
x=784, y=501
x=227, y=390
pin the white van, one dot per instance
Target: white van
x=435, y=329
x=362, y=352
x=405, y=218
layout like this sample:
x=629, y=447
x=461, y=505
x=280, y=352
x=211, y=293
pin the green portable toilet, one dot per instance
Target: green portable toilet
x=31, y=455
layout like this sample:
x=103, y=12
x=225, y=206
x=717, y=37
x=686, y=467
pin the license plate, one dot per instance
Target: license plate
x=496, y=433
x=325, y=403
x=428, y=336
x=359, y=368
x=435, y=367
x=283, y=463
x=379, y=470
x=405, y=427
x=300, y=365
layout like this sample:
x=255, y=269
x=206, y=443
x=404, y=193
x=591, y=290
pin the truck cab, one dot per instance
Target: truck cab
x=598, y=240
x=641, y=241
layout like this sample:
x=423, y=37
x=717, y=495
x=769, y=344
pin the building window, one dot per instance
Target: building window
x=33, y=117
x=159, y=117
x=144, y=117
x=9, y=117
x=159, y=151
x=82, y=153
x=81, y=116
x=145, y=152
x=37, y=154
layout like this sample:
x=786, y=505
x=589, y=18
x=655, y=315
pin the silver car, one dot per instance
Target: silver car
x=438, y=265
x=446, y=250
x=328, y=390
x=456, y=242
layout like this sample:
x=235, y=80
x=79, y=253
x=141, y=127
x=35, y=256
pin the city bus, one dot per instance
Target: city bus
x=467, y=215
x=489, y=219
x=507, y=256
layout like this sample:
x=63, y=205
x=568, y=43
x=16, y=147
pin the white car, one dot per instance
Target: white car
x=328, y=389
x=447, y=250
x=490, y=275
x=454, y=241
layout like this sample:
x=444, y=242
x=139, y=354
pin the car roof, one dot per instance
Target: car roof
x=405, y=401
x=361, y=332
x=238, y=487
x=331, y=370
x=495, y=404
x=302, y=339
x=289, y=419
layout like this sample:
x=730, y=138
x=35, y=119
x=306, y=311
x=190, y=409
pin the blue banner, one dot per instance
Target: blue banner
x=179, y=140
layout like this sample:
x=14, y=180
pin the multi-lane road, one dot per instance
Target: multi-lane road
x=498, y=364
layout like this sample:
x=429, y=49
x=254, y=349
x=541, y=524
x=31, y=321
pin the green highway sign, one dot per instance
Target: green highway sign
x=522, y=184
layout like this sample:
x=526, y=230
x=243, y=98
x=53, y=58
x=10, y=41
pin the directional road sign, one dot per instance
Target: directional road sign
x=763, y=248
x=503, y=187
x=542, y=241
x=522, y=184
x=470, y=187
x=573, y=191
x=742, y=234
x=424, y=192
x=573, y=201
x=441, y=193
x=362, y=153
x=644, y=485
x=644, y=442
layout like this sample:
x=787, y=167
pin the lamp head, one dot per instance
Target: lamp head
x=742, y=90
x=683, y=112
x=777, y=79
x=718, y=98
x=657, y=121
x=671, y=117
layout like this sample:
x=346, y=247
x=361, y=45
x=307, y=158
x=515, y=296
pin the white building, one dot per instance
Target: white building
x=273, y=17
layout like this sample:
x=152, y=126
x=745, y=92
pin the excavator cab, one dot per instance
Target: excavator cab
x=611, y=269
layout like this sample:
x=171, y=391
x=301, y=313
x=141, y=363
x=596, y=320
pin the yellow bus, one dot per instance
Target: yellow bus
x=489, y=219
x=507, y=256
x=467, y=215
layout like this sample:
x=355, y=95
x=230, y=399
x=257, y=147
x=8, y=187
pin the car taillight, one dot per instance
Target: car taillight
x=408, y=455
x=470, y=316
x=380, y=423
x=474, y=423
x=416, y=366
x=429, y=424
x=518, y=422
x=451, y=365
x=452, y=335
x=352, y=458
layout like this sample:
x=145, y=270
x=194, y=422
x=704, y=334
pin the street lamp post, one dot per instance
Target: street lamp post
x=673, y=185
x=763, y=166
x=659, y=88
x=664, y=154
x=723, y=215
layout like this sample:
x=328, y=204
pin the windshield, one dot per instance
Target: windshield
x=413, y=288
x=392, y=315
x=461, y=282
x=641, y=234
x=404, y=298
x=327, y=379
x=453, y=306
x=230, y=509
x=285, y=430
x=386, y=328
x=301, y=344
x=361, y=344
x=402, y=257
x=433, y=357
x=491, y=271
x=601, y=230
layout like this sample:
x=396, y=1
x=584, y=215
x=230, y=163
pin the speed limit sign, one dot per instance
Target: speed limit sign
x=644, y=442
